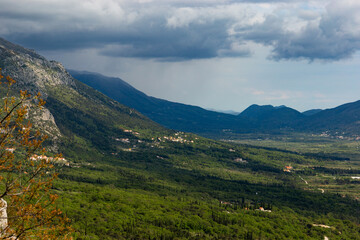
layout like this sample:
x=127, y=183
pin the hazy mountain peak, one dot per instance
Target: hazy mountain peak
x=281, y=106
x=311, y=112
x=223, y=111
x=256, y=110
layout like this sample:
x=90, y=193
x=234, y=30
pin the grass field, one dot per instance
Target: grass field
x=336, y=164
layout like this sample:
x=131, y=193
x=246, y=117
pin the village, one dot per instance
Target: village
x=338, y=135
x=154, y=142
x=35, y=157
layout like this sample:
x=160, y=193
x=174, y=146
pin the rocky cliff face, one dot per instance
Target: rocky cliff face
x=44, y=121
x=31, y=70
x=34, y=73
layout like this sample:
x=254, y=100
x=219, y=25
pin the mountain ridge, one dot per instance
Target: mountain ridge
x=187, y=117
x=254, y=119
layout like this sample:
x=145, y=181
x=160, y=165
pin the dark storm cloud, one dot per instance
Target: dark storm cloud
x=192, y=42
x=315, y=43
x=147, y=37
x=335, y=36
x=142, y=40
x=174, y=32
x=312, y=42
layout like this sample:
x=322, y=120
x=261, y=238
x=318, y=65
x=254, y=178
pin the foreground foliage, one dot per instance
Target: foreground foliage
x=27, y=205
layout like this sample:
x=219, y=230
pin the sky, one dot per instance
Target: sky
x=217, y=54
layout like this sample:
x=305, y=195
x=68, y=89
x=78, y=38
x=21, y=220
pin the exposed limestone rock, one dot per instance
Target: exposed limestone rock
x=44, y=120
x=3, y=215
x=30, y=69
x=35, y=74
x=5, y=232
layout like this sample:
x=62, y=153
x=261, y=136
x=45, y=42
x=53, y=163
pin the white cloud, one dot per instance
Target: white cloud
x=275, y=95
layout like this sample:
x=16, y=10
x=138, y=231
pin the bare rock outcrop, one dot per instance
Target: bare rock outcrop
x=30, y=70
x=3, y=215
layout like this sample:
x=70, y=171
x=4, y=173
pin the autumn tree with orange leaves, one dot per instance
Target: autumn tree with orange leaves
x=27, y=204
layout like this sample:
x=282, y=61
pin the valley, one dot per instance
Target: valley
x=202, y=192
x=130, y=177
x=338, y=160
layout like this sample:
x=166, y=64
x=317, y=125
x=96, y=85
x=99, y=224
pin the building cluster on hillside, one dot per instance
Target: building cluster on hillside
x=240, y=160
x=246, y=207
x=338, y=135
x=124, y=140
x=35, y=157
x=176, y=139
x=262, y=209
x=131, y=131
x=288, y=168
x=179, y=137
x=58, y=160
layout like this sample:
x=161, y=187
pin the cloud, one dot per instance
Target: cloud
x=163, y=42
x=124, y=29
x=333, y=35
x=257, y=92
x=183, y=29
x=271, y=95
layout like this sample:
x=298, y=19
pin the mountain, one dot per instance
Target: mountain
x=254, y=119
x=191, y=118
x=311, y=112
x=74, y=109
x=341, y=120
x=169, y=114
x=224, y=111
x=255, y=111
x=269, y=117
x=130, y=178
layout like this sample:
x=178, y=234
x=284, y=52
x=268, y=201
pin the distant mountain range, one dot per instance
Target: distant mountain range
x=311, y=112
x=341, y=120
x=344, y=119
x=169, y=114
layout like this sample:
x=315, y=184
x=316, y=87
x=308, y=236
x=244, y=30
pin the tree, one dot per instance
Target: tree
x=27, y=204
